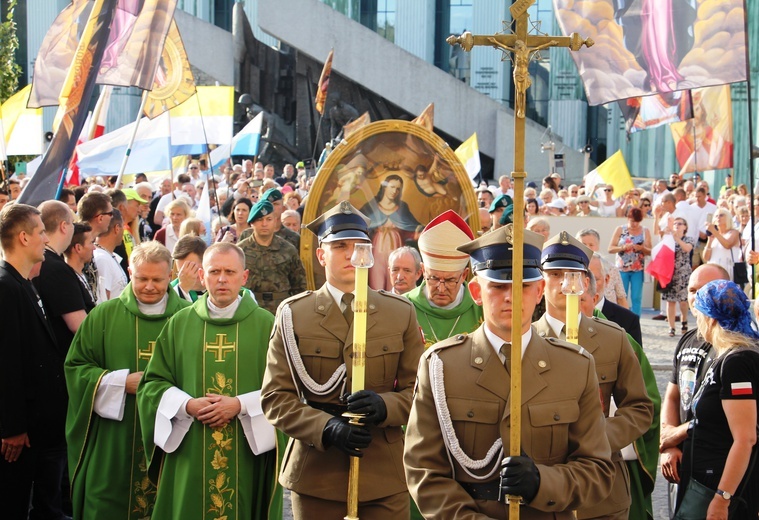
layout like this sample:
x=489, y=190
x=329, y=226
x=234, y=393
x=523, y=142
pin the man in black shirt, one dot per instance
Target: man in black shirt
x=32, y=387
x=692, y=359
x=57, y=284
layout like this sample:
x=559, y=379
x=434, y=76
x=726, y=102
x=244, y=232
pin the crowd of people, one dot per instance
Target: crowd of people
x=158, y=368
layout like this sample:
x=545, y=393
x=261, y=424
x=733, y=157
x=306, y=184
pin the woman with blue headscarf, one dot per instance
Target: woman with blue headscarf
x=722, y=436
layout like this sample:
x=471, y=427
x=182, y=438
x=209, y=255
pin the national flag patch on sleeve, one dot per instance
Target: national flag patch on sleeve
x=741, y=388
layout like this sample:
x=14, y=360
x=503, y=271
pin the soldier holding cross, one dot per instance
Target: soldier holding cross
x=459, y=428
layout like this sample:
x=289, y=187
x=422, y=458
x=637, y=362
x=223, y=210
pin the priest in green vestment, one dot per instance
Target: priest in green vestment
x=103, y=367
x=444, y=307
x=200, y=407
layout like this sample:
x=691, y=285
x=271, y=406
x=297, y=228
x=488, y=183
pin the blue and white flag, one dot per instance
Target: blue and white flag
x=150, y=152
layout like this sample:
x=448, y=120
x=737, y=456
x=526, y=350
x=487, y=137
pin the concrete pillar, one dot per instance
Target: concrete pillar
x=415, y=28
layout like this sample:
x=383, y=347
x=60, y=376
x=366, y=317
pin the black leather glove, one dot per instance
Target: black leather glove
x=348, y=438
x=520, y=477
x=369, y=403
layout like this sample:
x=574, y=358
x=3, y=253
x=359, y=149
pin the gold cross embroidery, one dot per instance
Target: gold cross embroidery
x=146, y=354
x=221, y=347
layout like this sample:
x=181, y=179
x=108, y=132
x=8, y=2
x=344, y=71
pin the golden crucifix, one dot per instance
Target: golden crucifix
x=523, y=46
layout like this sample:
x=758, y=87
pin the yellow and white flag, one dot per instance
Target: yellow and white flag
x=22, y=127
x=613, y=171
x=206, y=118
x=469, y=155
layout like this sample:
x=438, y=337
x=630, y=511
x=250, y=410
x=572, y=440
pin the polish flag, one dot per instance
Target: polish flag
x=93, y=127
x=662, y=265
x=741, y=388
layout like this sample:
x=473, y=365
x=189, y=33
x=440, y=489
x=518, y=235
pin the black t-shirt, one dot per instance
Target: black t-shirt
x=733, y=376
x=62, y=292
x=693, y=357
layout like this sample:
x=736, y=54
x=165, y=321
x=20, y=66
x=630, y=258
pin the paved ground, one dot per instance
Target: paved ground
x=659, y=348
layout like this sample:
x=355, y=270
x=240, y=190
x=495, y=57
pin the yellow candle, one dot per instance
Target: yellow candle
x=359, y=329
x=573, y=311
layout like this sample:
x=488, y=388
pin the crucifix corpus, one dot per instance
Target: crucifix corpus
x=523, y=46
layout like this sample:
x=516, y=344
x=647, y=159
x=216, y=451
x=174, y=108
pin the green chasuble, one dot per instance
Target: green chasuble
x=106, y=458
x=439, y=324
x=643, y=470
x=212, y=474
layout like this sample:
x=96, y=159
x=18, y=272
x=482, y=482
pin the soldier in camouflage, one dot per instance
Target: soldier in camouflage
x=274, y=196
x=275, y=269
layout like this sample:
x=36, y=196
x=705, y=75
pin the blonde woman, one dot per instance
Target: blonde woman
x=723, y=246
x=177, y=210
x=722, y=436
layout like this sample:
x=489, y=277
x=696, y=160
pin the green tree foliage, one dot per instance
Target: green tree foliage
x=10, y=71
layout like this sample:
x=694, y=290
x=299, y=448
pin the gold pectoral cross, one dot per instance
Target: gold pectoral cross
x=148, y=353
x=221, y=348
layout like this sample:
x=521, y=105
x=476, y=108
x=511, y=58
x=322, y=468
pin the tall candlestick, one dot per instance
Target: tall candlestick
x=362, y=260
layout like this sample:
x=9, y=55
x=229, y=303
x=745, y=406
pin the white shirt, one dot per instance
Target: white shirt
x=685, y=210
x=701, y=214
x=337, y=295
x=111, y=277
x=497, y=342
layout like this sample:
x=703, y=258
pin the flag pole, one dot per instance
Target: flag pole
x=750, y=144
x=131, y=140
x=61, y=182
x=208, y=154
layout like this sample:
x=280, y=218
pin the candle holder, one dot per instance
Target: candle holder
x=362, y=255
x=573, y=286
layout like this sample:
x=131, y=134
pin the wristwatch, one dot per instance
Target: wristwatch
x=725, y=494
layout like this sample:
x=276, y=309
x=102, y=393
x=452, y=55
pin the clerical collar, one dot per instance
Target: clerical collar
x=600, y=304
x=496, y=341
x=456, y=302
x=153, y=309
x=557, y=324
x=223, y=313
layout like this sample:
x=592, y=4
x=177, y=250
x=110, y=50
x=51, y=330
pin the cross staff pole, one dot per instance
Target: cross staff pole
x=523, y=46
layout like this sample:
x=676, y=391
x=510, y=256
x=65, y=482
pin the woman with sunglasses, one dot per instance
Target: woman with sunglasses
x=677, y=290
x=723, y=246
x=609, y=207
x=631, y=244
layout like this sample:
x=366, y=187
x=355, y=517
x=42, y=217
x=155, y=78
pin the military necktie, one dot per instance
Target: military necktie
x=506, y=351
x=347, y=299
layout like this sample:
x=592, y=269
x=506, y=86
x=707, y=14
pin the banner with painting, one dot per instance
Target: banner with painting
x=705, y=142
x=643, y=47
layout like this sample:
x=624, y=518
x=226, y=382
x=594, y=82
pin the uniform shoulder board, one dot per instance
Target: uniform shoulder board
x=398, y=297
x=453, y=341
x=295, y=297
x=569, y=346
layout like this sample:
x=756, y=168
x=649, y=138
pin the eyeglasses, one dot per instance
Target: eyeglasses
x=607, y=189
x=646, y=205
x=107, y=213
x=193, y=168
x=450, y=283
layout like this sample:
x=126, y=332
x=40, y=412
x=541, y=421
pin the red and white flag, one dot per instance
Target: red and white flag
x=93, y=127
x=662, y=265
x=741, y=388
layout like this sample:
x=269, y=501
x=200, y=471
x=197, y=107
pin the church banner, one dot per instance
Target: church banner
x=642, y=113
x=74, y=98
x=705, y=142
x=643, y=47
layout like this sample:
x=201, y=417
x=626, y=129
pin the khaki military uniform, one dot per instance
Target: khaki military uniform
x=324, y=342
x=620, y=376
x=275, y=271
x=562, y=429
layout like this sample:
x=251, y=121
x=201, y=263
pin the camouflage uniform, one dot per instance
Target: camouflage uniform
x=285, y=233
x=275, y=272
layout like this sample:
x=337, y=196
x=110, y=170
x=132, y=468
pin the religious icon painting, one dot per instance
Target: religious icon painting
x=400, y=175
